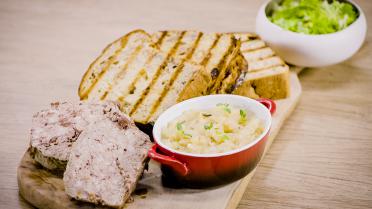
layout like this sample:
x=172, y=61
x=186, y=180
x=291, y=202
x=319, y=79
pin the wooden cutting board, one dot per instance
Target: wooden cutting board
x=45, y=190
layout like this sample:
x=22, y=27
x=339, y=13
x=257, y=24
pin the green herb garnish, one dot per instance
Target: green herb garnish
x=224, y=107
x=208, y=126
x=181, y=131
x=179, y=125
x=243, y=117
x=187, y=135
x=225, y=137
x=243, y=113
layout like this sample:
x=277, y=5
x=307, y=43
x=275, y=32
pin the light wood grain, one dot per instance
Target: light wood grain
x=320, y=159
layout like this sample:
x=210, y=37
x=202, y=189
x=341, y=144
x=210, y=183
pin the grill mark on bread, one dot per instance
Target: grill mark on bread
x=158, y=71
x=244, y=36
x=174, y=77
x=143, y=81
x=124, y=42
x=123, y=71
x=209, y=54
x=160, y=40
x=174, y=65
x=132, y=86
x=141, y=73
x=90, y=76
x=109, y=72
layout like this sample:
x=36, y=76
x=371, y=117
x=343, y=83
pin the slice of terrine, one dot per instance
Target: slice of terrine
x=106, y=162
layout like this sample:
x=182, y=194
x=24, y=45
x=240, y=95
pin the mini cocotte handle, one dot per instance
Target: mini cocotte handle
x=269, y=104
x=177, y=165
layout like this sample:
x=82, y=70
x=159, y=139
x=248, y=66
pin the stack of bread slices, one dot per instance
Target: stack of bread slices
x=267, y=75
x=148, y=73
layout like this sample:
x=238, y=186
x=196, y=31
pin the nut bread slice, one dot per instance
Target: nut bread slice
x=215, y=54
x=168, y=78
x=113, y=61
x=54, y=130
x=267, y=75
x=106, y=162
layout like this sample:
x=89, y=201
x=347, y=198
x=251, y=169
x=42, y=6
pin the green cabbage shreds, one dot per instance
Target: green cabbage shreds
x=313, y=16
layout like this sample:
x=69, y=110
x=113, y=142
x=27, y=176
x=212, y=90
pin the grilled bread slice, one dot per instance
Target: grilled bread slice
x=267, y=75
x=114, y=59
x=217, y=53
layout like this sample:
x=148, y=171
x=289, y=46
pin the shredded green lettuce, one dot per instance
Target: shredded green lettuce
x=313, y=16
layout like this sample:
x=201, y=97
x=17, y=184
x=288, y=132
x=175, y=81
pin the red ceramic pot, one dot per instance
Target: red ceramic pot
x=211, y=169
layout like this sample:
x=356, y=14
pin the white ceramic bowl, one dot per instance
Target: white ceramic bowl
x=312, y=50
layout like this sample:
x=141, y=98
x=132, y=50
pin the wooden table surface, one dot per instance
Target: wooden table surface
x=322, y=157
